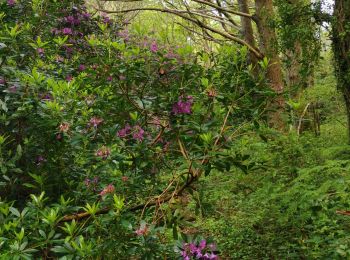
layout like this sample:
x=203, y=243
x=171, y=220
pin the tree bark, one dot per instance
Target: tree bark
x=248, y=33
x=341, y=48
x=268, y=45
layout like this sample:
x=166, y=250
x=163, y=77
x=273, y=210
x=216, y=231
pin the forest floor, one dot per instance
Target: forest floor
x=286, y=204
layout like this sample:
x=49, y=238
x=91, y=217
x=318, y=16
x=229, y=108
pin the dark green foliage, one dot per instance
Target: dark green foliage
x=288, y=210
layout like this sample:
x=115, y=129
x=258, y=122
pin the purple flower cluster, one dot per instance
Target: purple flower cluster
x=142, y=231
x=108, y=189
x=88, y=182
x=91, y=183
x=40, y=160
x=69, y=78
x=67, y=31
x=95, y=122
x=136, y=131
x=11, y=3
x=81, y=67
x=201, y=251
x=40, y=51
x=45, y=96
x=183, y=106
x=106, y=19
x=154, y=47
x=12, y=89
x=71, y=20
x=124, y=34
x=103, y=152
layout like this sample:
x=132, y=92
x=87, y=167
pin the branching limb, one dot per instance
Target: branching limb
x=185, y=16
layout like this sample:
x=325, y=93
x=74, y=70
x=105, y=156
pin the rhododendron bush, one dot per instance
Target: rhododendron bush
x=100, y=129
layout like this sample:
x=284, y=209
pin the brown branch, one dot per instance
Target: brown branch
x=206, y=37
x=343, y=212
x=220, y=8
x=153, y=202
x=255, y=51
x=226, y=14
x=193, y=175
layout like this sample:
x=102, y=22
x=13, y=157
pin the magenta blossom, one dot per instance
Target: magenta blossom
x=183, y=106
x=81, y=67
x=59, y=58
x=138, y=134
x=142, y=231
x=107, y=190
x=2, y=81
x=86, y=16
x=11, y=3
x=71, y=20
x=109, y=78
x=154, y=47
x=55, y=31
x=45, y=96
x=39, y=160
x=40, y=51
x=122, y=133
x=12, y=89
x=69, y=78
x=67, y=31
x=95, y=121
x=124, y=34
x=103, y=152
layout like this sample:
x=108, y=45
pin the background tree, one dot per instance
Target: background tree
x=231, y=21
x=341, y=48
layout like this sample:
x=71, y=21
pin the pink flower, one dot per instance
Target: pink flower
x=138, y=134
x=109, y=78
x=64, y=127
x=183, y=106
x=39, y=160
x=59, y=137
x=11, y=3
x=143, y=230
x=69, y=78
x=122, y=133
x=125, y=178
x=154, y=47
x=124, y=34
x=95, y=121
x=103, y=152
x=107, y=190
x=55, y=31
x=90, y=100
x=40, y=51
x=67, y=31
x=12, y=89
x=81, y=67
x=59, y=58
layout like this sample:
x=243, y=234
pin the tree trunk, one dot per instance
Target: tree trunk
x=248, y=34
x=341, y=48
x=294, y=81
x=269, y=46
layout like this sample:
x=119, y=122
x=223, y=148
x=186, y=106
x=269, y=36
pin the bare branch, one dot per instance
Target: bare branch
x=220, y=8
x=184, y=15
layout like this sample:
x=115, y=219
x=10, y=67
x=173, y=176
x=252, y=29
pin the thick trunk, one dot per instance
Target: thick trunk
x=268, y=44
x=248, y=34
x=294, y=80
x=341, y=48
